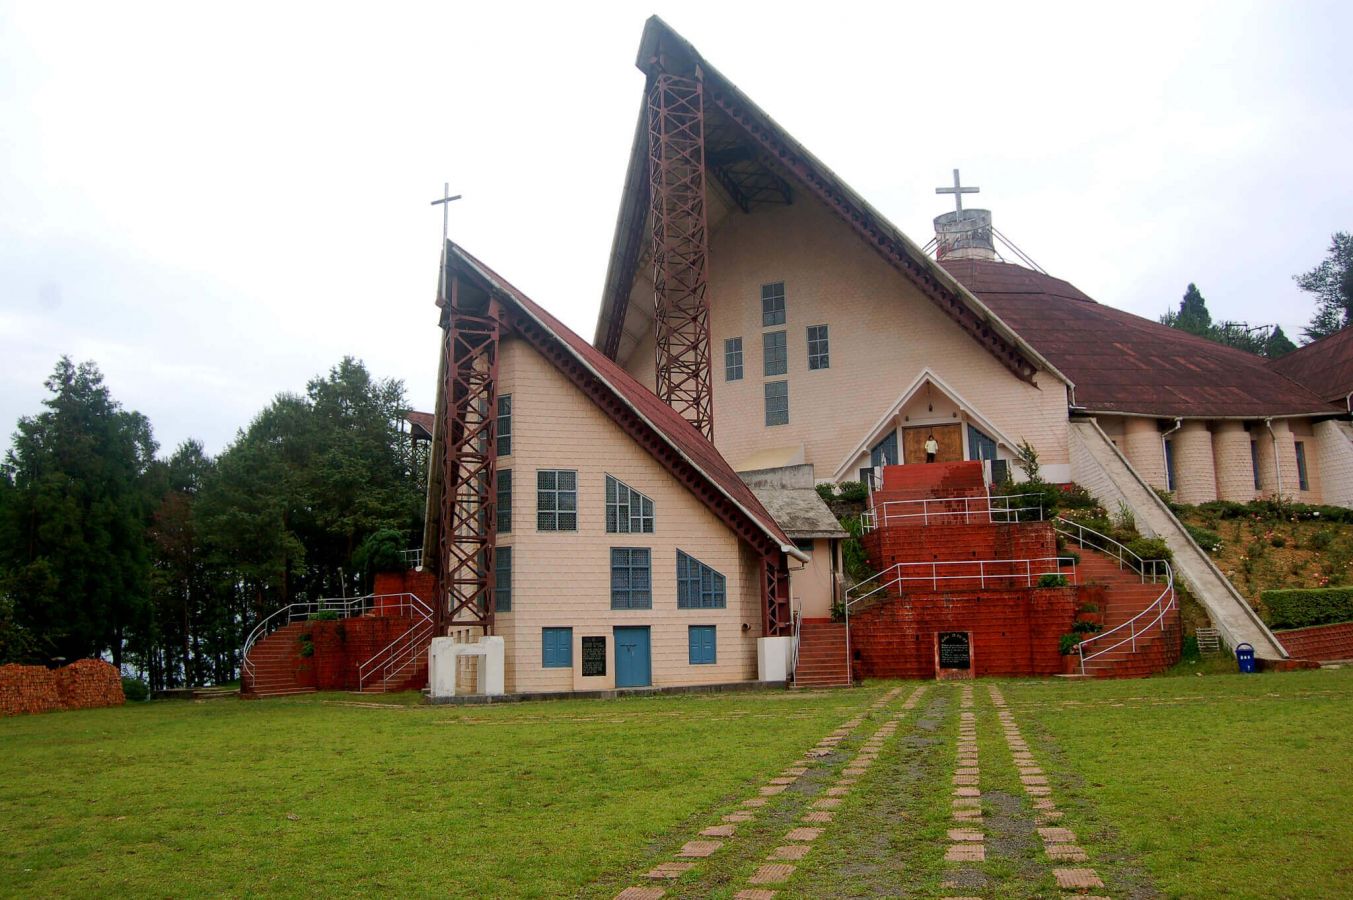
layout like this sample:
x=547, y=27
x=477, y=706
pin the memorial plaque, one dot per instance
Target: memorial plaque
x=955, y=650
x=594, y=656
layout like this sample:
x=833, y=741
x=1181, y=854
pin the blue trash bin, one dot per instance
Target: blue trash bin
x=1245, y=657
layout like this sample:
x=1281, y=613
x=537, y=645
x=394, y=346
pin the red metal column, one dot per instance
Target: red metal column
x=776, y=616
x=676, y=171
x=469, y=500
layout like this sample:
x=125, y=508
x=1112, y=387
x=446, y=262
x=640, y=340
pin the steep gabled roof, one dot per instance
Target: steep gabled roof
x=420, y=423
x=1324, y=366
x=778, y=149
x=665, y=422
x=1122, y=363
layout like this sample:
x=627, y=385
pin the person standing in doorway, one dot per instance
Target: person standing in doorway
x=931, y=448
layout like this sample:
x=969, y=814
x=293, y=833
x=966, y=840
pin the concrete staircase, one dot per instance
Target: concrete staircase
x=822, y=655
x=275, y=660
x=1097, y=466
x=1156, y=645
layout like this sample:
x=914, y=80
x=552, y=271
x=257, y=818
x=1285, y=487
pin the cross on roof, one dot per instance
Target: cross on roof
x=957, y=191
x=446, y=206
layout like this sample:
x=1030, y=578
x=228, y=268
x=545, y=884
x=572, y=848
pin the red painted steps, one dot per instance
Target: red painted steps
x=274, y=660
x=822, y=655
x=1155, y=649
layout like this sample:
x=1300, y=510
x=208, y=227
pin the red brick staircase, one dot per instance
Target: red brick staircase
x=822, y=655
x=1149, y=645
x=276, y=665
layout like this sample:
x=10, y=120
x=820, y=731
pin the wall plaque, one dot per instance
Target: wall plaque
x=955, y=650
x=594, y=656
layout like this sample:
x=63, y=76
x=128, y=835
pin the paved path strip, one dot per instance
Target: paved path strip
x=798, y=840
x=967, y=841
x=700, y=849
x=1058, y=843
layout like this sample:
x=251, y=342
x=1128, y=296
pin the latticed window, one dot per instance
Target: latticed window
x=556, y=500
x=732, y=359
x=777, y=403
x=504, y=501
x=772, y=304
x=631, y=578
x=627, y=510
x=818, y=357
x=505, y=425
x=502, y=579
x=699, y=586
x=773, y=345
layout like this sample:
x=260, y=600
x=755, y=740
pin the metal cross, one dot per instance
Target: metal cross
x=446, y=207
x=957, y=191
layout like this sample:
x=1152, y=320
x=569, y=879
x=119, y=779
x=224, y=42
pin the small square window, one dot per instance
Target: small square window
x=777, y=403
x=773, y=347
x=772, y=304
x=818, y=356
x=732, y=359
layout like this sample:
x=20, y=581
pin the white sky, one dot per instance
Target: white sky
x=216, y=203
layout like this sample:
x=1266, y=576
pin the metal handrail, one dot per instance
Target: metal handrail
x=1125, y=556
x=1026, y=570
x=981, y=506
x=391, y=651
x=413, y=559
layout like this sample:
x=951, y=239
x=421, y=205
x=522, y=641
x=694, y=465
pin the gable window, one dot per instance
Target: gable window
x=505, y=425
x=627, y=510
x=1302, y=480
x=699, y=586
x=502, y=579
x=777, y=403
x=1254, y=462
x=504, y=501
x=556, y=500
x=702, y=646
x=773, y=348
x=556, y=648
x=772, y=304
x=631, y=578
x=818, y=357
x=732, y=359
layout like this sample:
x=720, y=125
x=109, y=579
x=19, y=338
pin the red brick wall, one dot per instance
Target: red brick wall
x=1321, y=642
x=1014, y=632
x=342, y=646
x=422, y=585
x=84, y=684
x=1029, y=540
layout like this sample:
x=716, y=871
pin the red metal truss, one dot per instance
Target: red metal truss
x=676, y=171
x=469, y=499
x=775, y=610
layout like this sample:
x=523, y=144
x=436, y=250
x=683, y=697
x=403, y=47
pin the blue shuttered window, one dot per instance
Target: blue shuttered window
x=556, y=648
x=502, y=579
x=699, y=586
x=631, y=578
x=702, y=646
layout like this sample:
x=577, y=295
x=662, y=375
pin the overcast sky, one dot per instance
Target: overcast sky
x=217, y=202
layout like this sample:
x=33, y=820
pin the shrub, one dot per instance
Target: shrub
x=1321, y=540
x=1073, y=556
x=1278, y=541
x=1088, y=608
x=1052, y=580
x=1124, y=520
x=1207, y=539
x=826, y=492
x=1301, y=608
x=853, y=492
x=1224, y=509
x=1026, y=457
x=382, y=551
x=1077, y=497
x=135, y=689
x=1034, y=494
x=1086, y=627
x=1068, y=643
x=1150, y=548
x=327, y=615
x=307, y=645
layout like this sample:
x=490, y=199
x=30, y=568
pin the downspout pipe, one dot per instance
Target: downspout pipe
x=1277, y=463
x=1165, y=457
x=1348, y=401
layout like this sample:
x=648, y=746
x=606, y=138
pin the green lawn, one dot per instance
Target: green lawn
x=1186, y=786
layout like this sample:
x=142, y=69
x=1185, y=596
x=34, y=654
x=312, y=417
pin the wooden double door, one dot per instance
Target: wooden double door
x=949, y=437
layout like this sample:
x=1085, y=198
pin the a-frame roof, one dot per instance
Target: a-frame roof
x=778, y=151
x=632, y=405
x=1325, y=366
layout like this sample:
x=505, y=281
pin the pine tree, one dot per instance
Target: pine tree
x=1332, y=284
x=1278, y=343
x=1192, y=316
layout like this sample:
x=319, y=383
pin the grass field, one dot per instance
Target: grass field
x=1186, y=786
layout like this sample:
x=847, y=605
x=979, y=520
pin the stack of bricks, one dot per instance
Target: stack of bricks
x=84, y=684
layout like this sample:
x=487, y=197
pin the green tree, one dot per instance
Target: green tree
x=1277, y=344
x=75, y=562
x=1332, y=284
x=1192, y=316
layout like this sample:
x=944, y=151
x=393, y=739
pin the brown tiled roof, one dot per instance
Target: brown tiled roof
x=1122, y=363
x=421, y=421
x=669, y=424
x=1325, y=366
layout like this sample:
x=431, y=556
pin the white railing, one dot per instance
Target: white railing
x=404, y=651
x=342, y=607
x=1001, y=508
x=413, y=559
x=1145, y=568
x=964, y=574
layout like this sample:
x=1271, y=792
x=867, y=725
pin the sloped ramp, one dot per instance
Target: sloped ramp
x=1098, y=466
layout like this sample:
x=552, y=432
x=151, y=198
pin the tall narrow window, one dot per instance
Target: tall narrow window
x=631, y=578
x=773, y=347
x=504, y=501
x=732, y=359
x=1254, y=462
x=502, y=579
x=699, y=586
x=505, y=425
x=1301, y=467
x=627, y=510
x=556, y=500
x=772, y=304
x=777, y=403
x=1169, y=464
x=556, y=648
x=818, y=356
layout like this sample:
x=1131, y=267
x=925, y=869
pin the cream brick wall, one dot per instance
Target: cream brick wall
x=1195, y=477
x=1303, y=431
x=810, y=587
x=1286, y=459
x=562, y=579
x=1334, y=449
x=1232, y=461
x=1142, y=447
x=883, y=334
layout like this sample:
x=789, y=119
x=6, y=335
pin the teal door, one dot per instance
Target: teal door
x=633, y=658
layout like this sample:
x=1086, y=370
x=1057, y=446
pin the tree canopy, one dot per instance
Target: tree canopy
x=1332, y=284
x=1193, y=316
